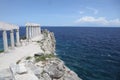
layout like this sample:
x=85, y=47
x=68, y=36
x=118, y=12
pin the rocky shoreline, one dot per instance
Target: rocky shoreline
x=41, y=66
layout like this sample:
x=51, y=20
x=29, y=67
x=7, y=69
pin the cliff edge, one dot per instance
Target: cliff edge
x=44, y=65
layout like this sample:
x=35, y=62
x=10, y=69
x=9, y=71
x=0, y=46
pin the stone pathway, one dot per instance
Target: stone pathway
x=18, y=53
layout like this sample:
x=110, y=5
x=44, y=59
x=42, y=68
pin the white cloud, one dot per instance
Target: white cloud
x=115, y=21
x=99, y=20
x=95, y=11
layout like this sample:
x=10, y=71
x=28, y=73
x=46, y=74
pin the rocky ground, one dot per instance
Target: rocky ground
x=40, y=66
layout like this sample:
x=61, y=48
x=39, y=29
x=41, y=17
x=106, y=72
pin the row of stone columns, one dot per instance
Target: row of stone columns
x=32, y=31
x=5, y=43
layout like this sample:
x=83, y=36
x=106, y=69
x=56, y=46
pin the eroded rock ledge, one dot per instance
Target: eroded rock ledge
x=41, y=66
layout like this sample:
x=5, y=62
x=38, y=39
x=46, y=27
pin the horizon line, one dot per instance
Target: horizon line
x=79, y=26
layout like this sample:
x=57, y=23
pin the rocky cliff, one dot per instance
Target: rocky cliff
x=53, y=67
x=48, y=42
x=42, y=66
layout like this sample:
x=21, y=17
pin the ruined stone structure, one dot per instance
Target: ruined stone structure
x=9, y=27
x=32, y=30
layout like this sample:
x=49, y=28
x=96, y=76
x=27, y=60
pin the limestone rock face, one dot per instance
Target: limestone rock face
x=48, y=42
x=46, y=76
x=54, y=71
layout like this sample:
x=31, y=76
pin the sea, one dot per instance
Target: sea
x=92, y=52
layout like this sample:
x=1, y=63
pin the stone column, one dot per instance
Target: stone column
x=39, y=31
x=17, y=38
x=12, y=39
x=32, y=31
x=27, y=32
x=36, y=31
x=5, y=43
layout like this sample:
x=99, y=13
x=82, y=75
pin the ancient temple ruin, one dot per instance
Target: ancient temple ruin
x=32, y=30
x=4, y=27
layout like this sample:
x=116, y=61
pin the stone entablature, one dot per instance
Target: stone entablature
x=7, y=26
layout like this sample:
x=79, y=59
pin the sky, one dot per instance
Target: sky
x=61, y=12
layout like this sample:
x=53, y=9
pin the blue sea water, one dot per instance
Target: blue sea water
x=93, y=53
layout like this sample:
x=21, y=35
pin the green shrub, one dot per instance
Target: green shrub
x=38, y=41
x=43, y=57
x=50, y=55
x=1, y=51
x=18, y=62
x=39, y=58
x=28, y=58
